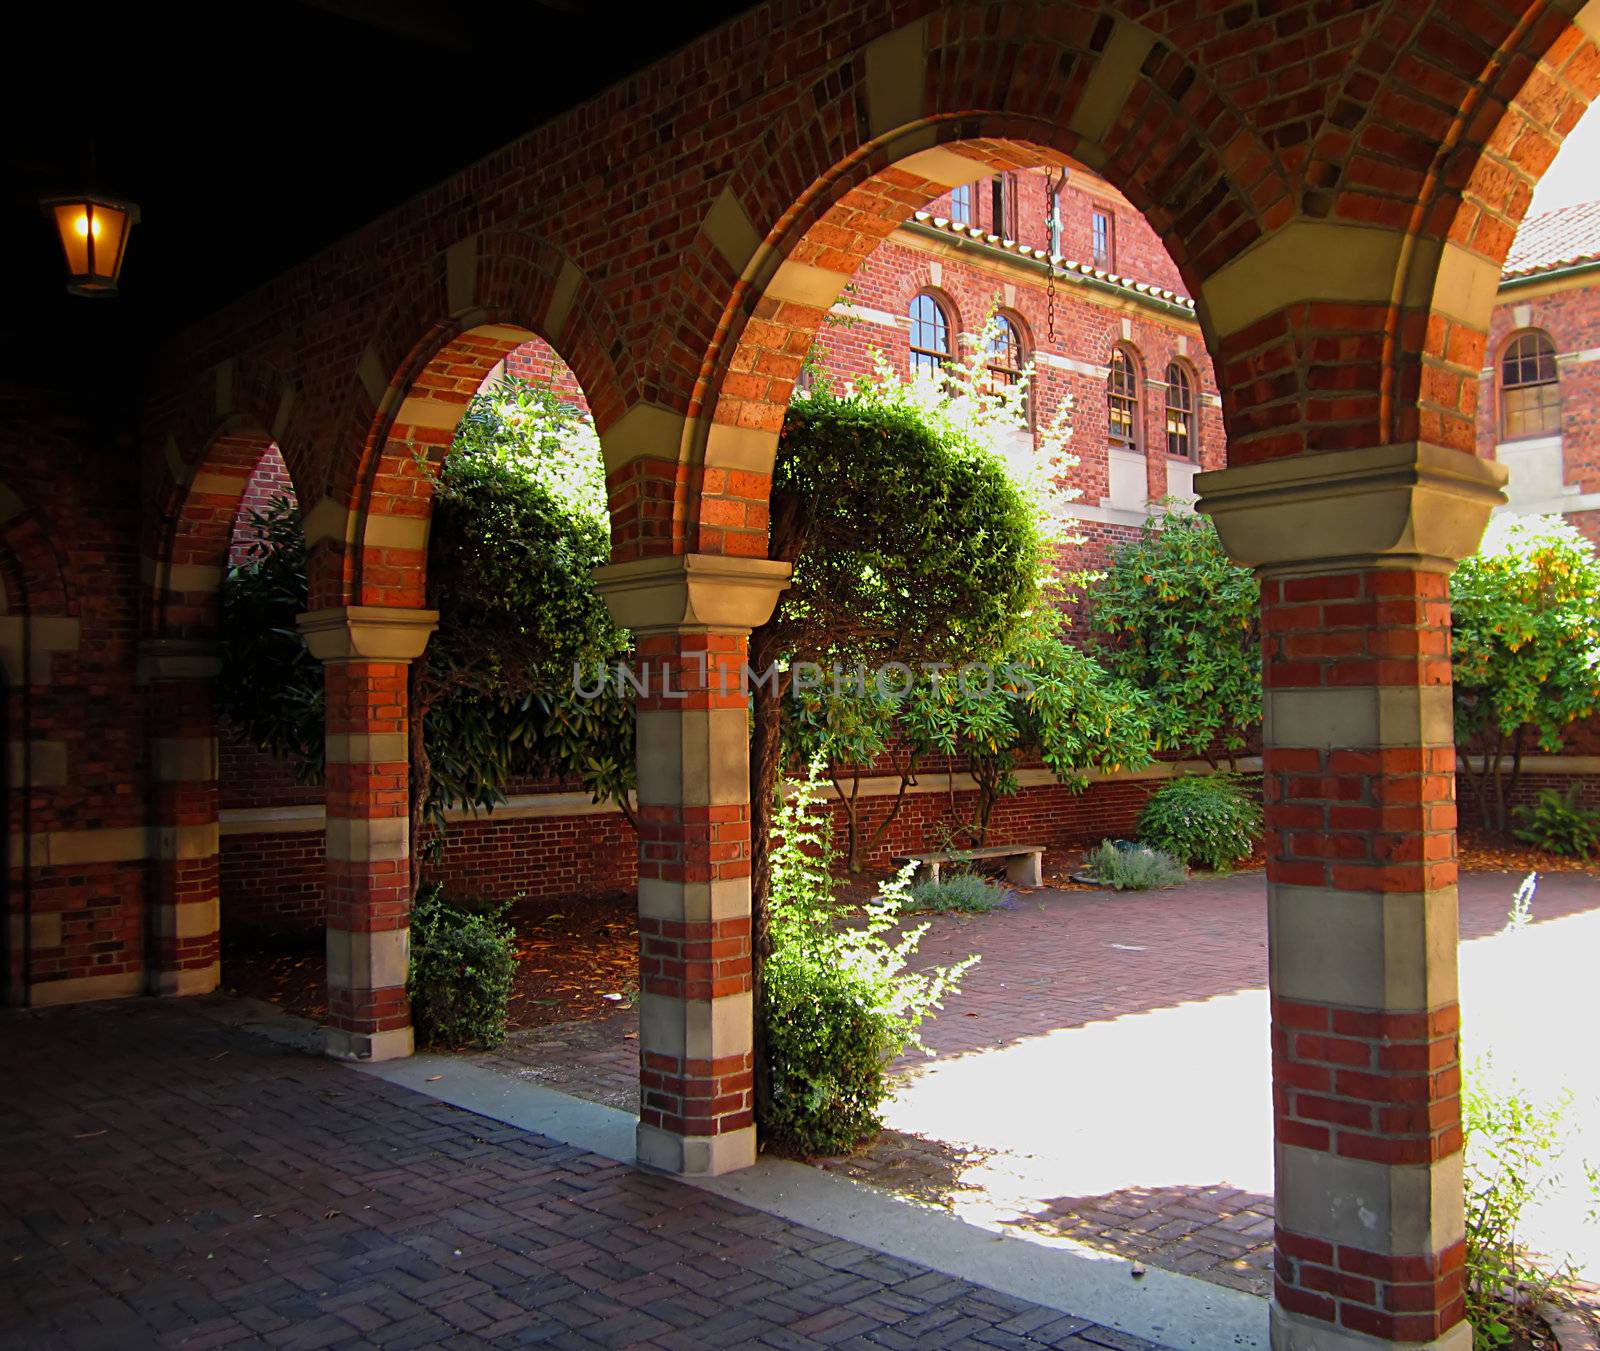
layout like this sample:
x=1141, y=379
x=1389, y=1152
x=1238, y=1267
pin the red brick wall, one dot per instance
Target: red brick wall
x=269, y=480
x=1137, y=249
x=72, y=554
x=272, y=883
x=537, y=363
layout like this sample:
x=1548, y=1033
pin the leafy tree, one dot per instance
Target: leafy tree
x=846, y=729
x=1176, y=616
x=1525, y=649
x=1047, y=698
x=910, y=541
x=519, y=522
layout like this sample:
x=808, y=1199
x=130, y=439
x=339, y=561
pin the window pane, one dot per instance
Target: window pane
x=1180, y=423
x=1122, y=402
x=930, y=334
x=1530, y=393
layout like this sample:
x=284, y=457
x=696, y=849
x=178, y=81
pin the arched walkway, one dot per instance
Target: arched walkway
x=189, y=546
x=1338, y=189
x=372, y=557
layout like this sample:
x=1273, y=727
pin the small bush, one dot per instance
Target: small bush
x=462, y=966
x=1138, y=869
x=966, y=893
x=1512, y=1142
x=1558, y=824
x=1205, y=821
x=837, y=1003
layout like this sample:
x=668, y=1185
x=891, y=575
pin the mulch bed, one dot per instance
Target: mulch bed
x=1488, y=854
x=571, y=955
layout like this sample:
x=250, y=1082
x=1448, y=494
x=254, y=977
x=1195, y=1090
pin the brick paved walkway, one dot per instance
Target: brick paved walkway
x=1103, y=1075
x=166, y=1181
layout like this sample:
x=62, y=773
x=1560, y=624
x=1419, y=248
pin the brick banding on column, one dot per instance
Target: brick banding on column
x=365, y=651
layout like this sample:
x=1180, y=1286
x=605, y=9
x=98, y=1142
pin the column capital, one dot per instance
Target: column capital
x=385, y=633
x=692, y=592
x=1414, y=505
x=160, y=659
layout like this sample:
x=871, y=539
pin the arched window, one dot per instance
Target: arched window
x=1122, y=401
x=1003, y=354
x=1530, y=396
x=930, y=335
x=1180, y=412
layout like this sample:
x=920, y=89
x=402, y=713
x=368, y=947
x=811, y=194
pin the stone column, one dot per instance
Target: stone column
x=185, y=918
x=365, y=650
x=691, y=617
x=1354, y=550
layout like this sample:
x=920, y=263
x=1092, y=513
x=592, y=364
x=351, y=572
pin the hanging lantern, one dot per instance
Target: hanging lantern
x=94, y=236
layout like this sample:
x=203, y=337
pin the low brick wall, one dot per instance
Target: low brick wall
x=272, y=869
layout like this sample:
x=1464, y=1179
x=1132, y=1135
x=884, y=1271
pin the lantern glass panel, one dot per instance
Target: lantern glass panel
x=72, y=224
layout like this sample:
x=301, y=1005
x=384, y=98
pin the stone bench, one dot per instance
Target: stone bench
x=1026, y=868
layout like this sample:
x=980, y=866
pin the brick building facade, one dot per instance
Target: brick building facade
x=1539, y=410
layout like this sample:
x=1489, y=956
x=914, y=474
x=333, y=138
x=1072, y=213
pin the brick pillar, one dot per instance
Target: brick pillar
x=184, y=842
x=1354, y=551
x=691, y=617
x=365, y=651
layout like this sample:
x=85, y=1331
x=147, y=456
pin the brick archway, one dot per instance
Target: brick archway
x=368, y=545
x=1509, y=135
x=1334, y=182
x=189, y=539
x=187, y=552
x=934, y=104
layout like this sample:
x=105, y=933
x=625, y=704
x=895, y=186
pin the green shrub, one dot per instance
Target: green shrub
x=462, y=965
x=964, y=892
x=1207, y=821
x=1138, y=869
x=1177, y=617
x=837, y=1003
x=1559, y=824
x=1523, y=638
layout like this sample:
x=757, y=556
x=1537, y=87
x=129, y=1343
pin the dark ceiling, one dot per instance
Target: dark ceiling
x=252, y=136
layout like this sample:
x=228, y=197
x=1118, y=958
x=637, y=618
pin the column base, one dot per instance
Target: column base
x=695, y=1155
x=189, y=980
x=394, y=1044
x=1295, y=1332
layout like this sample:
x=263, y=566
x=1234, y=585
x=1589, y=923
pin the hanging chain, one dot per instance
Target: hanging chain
x=1051, y=210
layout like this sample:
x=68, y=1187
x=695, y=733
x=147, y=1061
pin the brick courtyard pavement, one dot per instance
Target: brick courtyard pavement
x=166, y=1181
x=1103, y=1075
